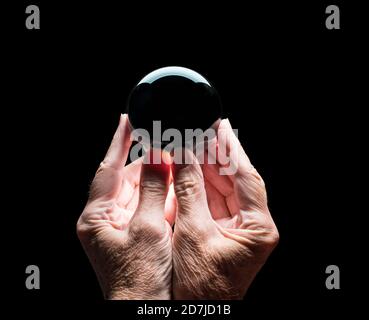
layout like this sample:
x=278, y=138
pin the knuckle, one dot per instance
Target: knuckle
x=145, y=230
x=106, y=165
x=81, y=229
x=272, y=238
x=103, y=166
x=152, y=188
x=187, y=188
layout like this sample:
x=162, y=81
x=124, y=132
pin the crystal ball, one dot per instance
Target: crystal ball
x=178, y=97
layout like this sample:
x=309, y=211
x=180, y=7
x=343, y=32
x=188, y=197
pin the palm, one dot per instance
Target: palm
x=248, y=225
x=118, y=212
x=237, y=202
x=126, y=200
x=221, y=197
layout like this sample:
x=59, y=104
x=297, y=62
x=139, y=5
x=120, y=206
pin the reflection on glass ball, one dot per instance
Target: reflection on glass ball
x=178, y=97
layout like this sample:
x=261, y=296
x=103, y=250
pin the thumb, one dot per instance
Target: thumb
x=189, y=188
x=248, y=184
x=154, y=185
x=108, y=178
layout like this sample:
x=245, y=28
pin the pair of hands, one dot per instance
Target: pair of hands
x=223, y=231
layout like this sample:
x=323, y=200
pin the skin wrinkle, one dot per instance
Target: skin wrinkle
x=217, y=203
x=196, y=274
x=222, y=236
x=224, y=185
x=127, y=259
x=251, y=192
x=135, y=261
x=224, y=263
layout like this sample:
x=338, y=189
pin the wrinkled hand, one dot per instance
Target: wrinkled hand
x=128, y=242
x=223, y=230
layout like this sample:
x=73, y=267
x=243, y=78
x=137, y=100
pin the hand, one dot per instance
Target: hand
x=223, y=230
x=128, y=242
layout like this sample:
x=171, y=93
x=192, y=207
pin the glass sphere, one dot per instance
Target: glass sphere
x=178, y=97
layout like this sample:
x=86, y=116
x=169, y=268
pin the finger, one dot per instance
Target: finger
x=222, y=183
x=216, y=202
x=248, y=184
x=128, y=195
x=189, y=188
x=154, y=185
x=117, y=154
x=108, y=179
x=230, y=151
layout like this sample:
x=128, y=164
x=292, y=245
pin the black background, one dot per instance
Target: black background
x=293, y=89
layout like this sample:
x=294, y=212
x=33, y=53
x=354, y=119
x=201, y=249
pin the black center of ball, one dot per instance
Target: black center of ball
x=177, y=97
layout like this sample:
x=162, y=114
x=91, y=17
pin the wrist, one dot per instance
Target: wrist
x=124, y=294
